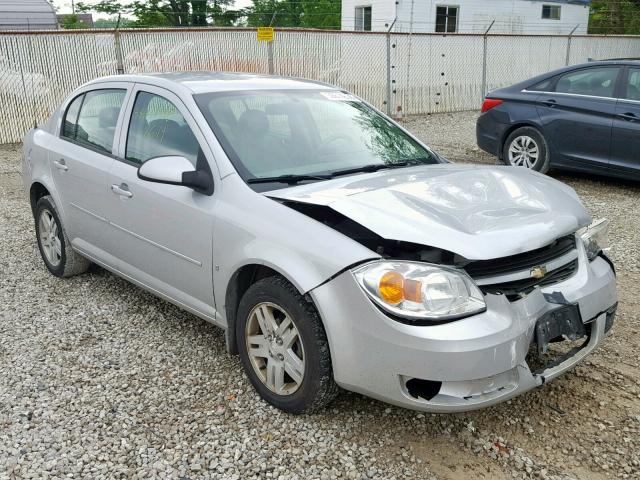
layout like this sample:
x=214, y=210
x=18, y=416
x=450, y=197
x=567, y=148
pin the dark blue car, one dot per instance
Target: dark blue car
x=585, y=117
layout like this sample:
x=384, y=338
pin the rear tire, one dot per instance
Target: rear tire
x=526, y=147
x=54, y=245
x=284, y=348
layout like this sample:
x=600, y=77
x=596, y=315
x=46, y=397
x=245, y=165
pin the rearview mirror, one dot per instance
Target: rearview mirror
x=175, y=170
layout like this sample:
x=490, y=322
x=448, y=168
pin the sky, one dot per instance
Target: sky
x=64, y=6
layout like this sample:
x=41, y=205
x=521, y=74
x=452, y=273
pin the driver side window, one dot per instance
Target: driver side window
x=158, y=129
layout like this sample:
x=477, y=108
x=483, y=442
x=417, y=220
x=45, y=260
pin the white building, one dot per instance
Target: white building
x=467, y=16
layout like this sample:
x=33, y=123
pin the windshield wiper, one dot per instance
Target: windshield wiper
x=293, y=179
x=374, y=167
x=289, y=179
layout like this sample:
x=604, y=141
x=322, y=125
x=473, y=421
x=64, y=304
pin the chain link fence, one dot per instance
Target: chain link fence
x=400, y=73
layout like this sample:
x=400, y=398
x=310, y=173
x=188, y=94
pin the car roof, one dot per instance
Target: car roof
x=206, y=82
x=613, y=61
x=516, y=87
x=594, y=63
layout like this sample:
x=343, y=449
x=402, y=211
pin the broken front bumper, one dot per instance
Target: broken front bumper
x=461, y=365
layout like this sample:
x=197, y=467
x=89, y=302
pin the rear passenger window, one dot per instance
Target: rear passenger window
x=595, y=82
x=91, y=118
x=71, y=118
x=158, y=129
x=633, y=87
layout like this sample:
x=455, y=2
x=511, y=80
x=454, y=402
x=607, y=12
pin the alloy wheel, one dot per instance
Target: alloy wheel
x=275, y=348
x=49, y=238
x=523, y=152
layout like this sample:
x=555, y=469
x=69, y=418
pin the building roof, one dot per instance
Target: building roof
x=27, y=15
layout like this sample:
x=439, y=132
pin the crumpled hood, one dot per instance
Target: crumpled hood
x=479, y=212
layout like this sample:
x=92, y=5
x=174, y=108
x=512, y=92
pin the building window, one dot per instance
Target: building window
x=446, y=19
x=551, y=12
x=363, y=18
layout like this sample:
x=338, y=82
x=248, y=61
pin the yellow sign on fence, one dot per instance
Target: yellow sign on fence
x=265, y=34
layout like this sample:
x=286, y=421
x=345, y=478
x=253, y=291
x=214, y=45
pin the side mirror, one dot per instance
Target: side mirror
x=175, y=170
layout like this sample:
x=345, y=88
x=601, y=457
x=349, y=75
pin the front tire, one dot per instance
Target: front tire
x=284, y=348
x=526, y=147
x=54, y=245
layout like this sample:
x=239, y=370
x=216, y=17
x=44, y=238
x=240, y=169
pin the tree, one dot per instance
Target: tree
x=294, y=13
x=167, y=13
x=322, y=14
x=111, y=22
x=72, y=22
x=111, y=7
x=615, y=17
x=221, y=15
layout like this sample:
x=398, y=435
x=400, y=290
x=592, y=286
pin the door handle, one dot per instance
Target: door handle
x=61, y=165
x=550, y=102
x=629, y=116
x=122, y=190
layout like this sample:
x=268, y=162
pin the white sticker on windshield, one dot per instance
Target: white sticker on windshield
x=339, y=96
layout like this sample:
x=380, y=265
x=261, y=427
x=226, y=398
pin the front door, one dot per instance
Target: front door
x=162, y=233
x=81, y=157
x=577, y=117
x=625, y=143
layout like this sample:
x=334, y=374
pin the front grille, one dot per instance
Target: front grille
x=523, y=263
x=518, y=287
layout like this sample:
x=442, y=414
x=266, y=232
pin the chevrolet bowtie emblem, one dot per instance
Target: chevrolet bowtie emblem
x=538, y=272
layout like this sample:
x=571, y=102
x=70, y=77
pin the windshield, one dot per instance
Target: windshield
x=305, y=135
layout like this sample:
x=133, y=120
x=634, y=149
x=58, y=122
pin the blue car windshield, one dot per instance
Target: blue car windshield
x=305, y=134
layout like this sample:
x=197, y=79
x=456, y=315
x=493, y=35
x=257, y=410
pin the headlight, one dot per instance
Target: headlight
x=595, y=238
x=420, y=291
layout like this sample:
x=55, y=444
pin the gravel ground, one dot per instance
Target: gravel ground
x=99, y=379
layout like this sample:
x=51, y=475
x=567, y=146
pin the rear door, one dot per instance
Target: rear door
x=81, y=157
x=625, y=143
x=162, y=234
x=577, y=117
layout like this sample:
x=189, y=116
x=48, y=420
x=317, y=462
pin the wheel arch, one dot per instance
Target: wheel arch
x=513, y=128
x=36, y=192
x=238, y=284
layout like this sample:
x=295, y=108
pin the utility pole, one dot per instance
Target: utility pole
x=270, y=49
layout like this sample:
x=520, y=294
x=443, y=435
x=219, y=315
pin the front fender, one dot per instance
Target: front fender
x=251, y=229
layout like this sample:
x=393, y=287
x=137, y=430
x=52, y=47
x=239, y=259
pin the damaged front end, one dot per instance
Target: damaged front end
x=546, y=309
x=395, y=249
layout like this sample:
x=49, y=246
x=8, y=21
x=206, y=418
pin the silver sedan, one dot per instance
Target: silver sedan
x=334, y=248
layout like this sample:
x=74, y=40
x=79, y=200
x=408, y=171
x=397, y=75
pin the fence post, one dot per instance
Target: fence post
x=484, y=60
x=116, y=39
x=389, y=67
x=270, y=57
x=566, y=62
x=270, y=47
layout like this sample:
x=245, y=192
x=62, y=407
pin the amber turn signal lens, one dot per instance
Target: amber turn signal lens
x=391, y=287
